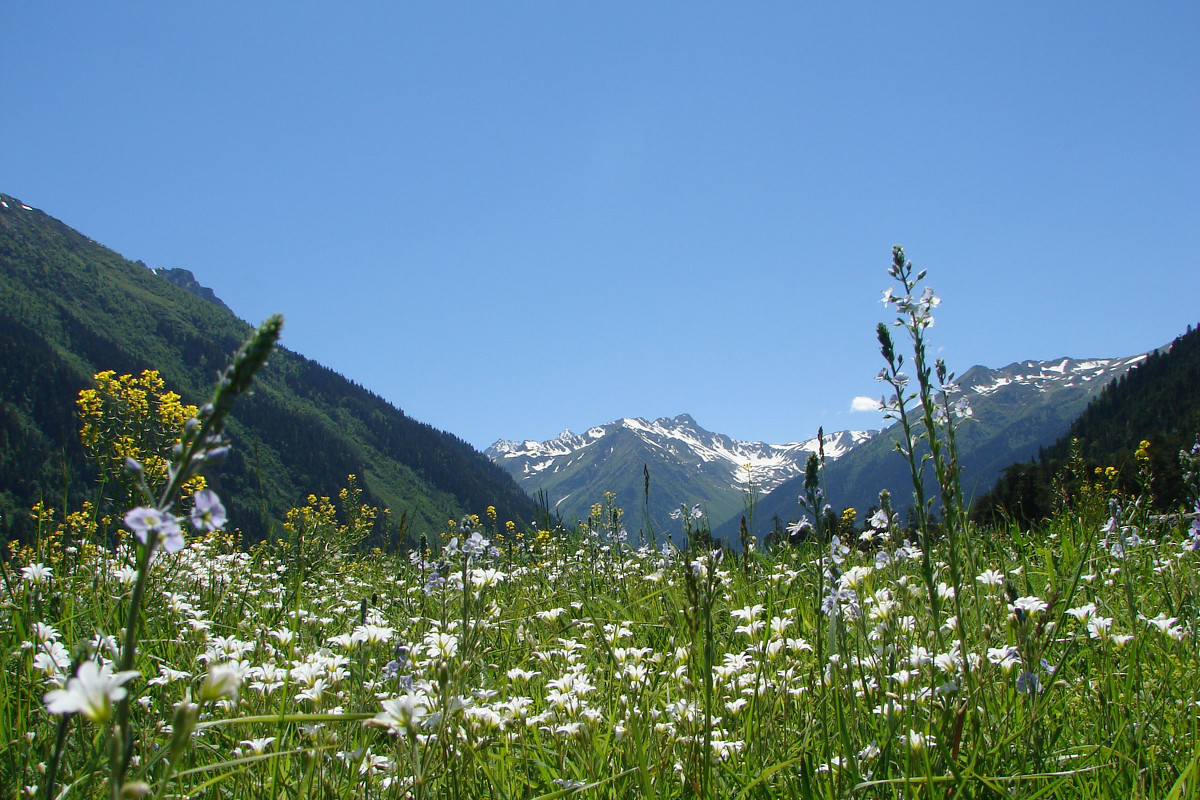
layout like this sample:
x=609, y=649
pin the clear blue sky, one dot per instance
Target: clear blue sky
x=513, y=218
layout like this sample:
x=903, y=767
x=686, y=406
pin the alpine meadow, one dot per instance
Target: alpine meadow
x=280, y=586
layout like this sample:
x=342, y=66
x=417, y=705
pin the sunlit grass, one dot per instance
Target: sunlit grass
x=580, y=667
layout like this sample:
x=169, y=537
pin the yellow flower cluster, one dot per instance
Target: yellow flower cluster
x=543, y=539
x=42, y=514
x=78, y=528
x=605, y=516
x=321, y=535
x=136, y=417
x=509, y=534
x=315, y=511
x=1105, y=485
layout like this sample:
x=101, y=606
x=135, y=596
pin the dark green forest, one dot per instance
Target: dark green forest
x=1157, y=401
x=70, y=307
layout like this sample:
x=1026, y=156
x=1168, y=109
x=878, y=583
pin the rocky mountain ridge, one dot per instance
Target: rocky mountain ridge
x=686, y=464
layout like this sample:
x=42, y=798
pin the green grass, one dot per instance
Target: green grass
x=877, y=703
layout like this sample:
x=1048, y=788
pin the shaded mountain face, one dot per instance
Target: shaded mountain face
x=685, y=462
x=1017, y=410
x=70, y=307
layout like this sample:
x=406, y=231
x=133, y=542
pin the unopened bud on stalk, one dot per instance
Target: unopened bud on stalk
x=182, y=724
x=885, y=342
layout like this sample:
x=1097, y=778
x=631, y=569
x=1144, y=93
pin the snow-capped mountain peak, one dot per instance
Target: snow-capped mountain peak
x=679, y=439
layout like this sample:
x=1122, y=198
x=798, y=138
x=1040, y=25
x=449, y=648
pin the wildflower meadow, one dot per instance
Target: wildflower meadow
x=148, y=653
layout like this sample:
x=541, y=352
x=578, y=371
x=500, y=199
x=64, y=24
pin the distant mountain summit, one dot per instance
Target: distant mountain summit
x=1016, y=410
x=768, y=465
x=1047, y=376
x=184, y=279
x=686, y=464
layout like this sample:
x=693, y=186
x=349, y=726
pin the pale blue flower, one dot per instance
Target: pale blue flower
x=207, y=512
x=144, y=520
x=1029, y=683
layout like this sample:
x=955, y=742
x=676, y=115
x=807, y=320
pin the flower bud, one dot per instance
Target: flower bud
x=135, y=789
x=182, y=724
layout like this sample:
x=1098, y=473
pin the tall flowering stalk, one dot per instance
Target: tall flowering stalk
x=835, y=601
x=934, y=411
x=925, y=413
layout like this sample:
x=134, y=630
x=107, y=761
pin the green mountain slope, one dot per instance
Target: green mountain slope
x=70, y=307
x=1158, y=402
x=1016, y=410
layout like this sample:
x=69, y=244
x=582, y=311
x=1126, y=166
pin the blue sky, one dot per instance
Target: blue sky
x=511, y=219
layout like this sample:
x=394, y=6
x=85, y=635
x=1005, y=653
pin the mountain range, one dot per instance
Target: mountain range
x=70, y=307
x=1158, y=403
x=1016, y=410
x=684, y=463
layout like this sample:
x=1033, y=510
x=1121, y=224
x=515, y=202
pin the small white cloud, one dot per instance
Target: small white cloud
x=861, y=403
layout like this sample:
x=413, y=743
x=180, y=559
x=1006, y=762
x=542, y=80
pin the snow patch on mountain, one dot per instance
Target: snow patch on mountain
x=765, y=465
x=1045, y=375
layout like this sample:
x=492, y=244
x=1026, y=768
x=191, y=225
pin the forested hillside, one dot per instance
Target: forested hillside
x=1158, y=401
x=70, y=307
